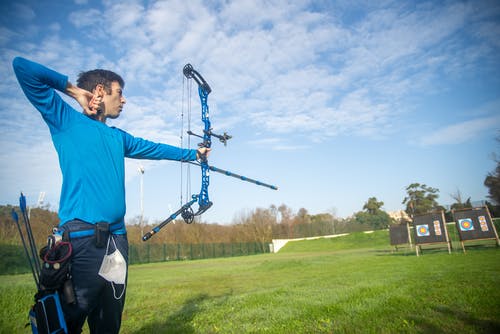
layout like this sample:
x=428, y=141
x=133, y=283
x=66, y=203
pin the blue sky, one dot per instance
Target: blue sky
x=332, y=101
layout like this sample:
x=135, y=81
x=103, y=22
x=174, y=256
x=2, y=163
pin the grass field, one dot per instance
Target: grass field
x=352, y=284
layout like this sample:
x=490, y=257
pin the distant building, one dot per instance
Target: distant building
x=399, y=215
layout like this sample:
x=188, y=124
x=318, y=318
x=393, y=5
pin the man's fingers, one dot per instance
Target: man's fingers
x=95, y=103
x=202, y=153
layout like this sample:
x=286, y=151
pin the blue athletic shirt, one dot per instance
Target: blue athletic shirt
x=91, y=154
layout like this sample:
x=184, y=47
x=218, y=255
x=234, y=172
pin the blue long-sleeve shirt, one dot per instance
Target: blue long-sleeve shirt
x=91, y=154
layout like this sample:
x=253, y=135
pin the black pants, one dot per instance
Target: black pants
x=95, y=298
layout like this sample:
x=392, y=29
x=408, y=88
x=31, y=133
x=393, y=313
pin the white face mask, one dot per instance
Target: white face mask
x=113, y=268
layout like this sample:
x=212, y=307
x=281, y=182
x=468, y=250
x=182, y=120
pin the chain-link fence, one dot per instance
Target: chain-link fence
x=146, y=253
x=13, y=260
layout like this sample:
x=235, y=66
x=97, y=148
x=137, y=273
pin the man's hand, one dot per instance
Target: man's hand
x=89, y=102
x=202, y=153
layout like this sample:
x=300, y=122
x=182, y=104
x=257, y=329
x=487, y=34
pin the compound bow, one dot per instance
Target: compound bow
x=186, y=211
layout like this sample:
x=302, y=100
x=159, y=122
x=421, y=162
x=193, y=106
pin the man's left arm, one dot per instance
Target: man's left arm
x=138, y=148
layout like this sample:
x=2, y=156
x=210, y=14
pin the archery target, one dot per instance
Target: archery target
x=423, y=230
x=466, y=224
x=430, y=229
x=475, y=224
x=399, y=234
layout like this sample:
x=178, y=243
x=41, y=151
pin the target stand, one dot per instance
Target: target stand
x=399, y=235
x=430, y=229
x=475, y=224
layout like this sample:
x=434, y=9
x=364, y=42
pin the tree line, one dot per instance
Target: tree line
x=275, y=222
x=259, y=225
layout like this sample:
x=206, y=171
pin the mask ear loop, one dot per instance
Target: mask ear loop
x=107, y=247
x=113, y=283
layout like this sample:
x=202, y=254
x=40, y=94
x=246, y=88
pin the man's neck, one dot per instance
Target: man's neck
x=98, y=117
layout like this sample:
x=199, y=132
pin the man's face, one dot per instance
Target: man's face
x=113, y=103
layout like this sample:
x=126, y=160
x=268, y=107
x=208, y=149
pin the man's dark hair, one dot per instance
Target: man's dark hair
x=88, y=80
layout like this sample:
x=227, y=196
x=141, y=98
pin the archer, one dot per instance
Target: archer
x=92, y=201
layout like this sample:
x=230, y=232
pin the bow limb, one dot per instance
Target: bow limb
x=185, y=211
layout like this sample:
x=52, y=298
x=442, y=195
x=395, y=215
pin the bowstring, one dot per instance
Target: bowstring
x=186, y=103
x=182, y=138
x=189, y=99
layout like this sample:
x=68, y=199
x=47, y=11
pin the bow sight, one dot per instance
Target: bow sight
x=186, y=211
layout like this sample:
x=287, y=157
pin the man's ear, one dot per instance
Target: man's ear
x=99, y=90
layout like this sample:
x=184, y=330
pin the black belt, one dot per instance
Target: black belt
x=89, y=232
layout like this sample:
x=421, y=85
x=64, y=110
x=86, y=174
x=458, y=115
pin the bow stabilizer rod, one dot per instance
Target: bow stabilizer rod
x=223, y=137
x=237, y=176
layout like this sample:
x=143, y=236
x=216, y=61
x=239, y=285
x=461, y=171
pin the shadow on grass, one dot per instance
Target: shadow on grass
x=178, y=322
x=464, y=322
x=480, y=325
x=391, y=252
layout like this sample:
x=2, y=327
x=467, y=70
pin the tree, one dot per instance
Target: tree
x=421, y=199
x=492, y=182
x=258, y=225
x=373, y=215
x=302, y=217
x=285, y=213
x=459, y=203
x=324, y=223
x=373, y=206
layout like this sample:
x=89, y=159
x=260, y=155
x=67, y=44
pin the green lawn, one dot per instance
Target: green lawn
x=352, y=284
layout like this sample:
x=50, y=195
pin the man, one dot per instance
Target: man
x=92, y=203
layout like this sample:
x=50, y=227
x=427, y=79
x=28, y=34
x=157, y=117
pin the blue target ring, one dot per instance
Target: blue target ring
x=423, y=230
x=466, y=224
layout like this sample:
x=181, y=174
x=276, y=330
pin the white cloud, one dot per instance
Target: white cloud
x=274, y=63
x=277, y=144
x=462, y=132
x=6, y=35
x=86, y=19
x=281, y=65
x=29, y=168
x=22, y=11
